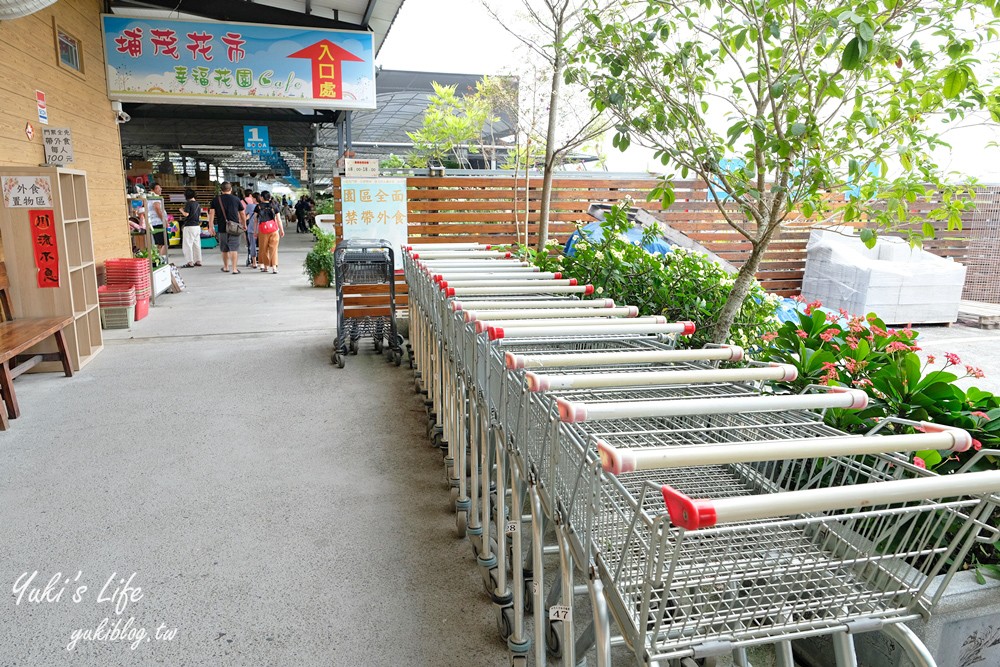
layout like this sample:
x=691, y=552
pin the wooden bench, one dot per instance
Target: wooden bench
x=16, y=336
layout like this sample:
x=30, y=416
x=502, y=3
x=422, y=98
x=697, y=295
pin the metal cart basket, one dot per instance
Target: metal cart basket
x=365, y=262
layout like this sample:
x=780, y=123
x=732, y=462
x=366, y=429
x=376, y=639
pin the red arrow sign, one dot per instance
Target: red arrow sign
x=326, y=76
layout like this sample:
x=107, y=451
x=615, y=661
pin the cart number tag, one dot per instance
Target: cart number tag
x=512, y=527
x=560, y=613
x=534, y=588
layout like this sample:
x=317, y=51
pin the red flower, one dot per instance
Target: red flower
x=835, y=347
x=813, y=306
x=919, y=462
x=844, y=313
x=897, y=346
x=952, y=358
x=879, y=332
x=769, y=336
x=930, y=358
x=974, y=372
x=862, y=383
x=828, y=335
x=799, y=298
x=980, y=413
x=801, y=334
x=832, y=317
x=976, y=445
x=829, y=366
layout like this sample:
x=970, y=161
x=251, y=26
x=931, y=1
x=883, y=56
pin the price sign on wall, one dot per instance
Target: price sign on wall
x=58, y=142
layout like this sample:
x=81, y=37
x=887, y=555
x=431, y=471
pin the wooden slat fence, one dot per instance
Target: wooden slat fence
x=490, y=209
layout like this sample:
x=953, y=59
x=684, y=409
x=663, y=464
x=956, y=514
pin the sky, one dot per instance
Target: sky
x=470, y=42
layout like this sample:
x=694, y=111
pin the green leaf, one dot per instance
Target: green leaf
x=867, y=237
x=798, y=129
x=931, y=457
x=954, y=83
x=866, y=31
x=854, y=54
x=928, y=229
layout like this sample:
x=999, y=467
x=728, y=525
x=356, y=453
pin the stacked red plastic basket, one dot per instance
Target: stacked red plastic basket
x=130, y=272
x=117, y=306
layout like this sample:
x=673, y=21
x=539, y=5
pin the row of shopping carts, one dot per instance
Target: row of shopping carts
x=629, y=499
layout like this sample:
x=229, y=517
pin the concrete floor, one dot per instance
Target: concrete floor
x=274, y=509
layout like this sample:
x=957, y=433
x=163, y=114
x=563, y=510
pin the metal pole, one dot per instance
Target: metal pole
x=349, y=142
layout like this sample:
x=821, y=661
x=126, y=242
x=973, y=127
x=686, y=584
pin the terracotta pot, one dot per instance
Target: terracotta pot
x=321, y=279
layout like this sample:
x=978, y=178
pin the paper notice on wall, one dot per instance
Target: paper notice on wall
x=58, y=143
x=375, y=208
x=27, y=192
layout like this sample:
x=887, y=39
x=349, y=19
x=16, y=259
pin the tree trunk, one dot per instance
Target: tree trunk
x=744, y=279
x=550, y=145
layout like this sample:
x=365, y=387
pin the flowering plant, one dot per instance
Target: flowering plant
x=850, y=350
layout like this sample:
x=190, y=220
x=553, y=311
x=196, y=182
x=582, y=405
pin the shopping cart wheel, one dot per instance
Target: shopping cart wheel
x=462, y=522
x=519, y=660
x=553, y=638
x=338, y=359
x=397, y=357
x=378, y=347
x=454, y=496
x=353, y=346
x=529, y=589
x=505, y=620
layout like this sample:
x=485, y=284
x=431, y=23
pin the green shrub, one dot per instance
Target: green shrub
x=680, y=285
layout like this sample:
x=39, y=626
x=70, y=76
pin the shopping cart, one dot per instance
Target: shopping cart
x=365, y=262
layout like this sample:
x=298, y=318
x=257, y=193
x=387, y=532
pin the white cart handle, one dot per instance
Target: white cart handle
x=619, y=357
x=469, y=265
x=618, y=461
x=561, y=282
x=565, y=302
x=690, y=514
x=420, y=247
x=509, y=326
x=522, y=272
x=542, y=313
x=835, y=397
x=462, y=254
x=773, y=371
x=540, y=287
x=609, y=328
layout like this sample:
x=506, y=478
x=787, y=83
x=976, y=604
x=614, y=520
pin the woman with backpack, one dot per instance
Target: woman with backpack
x=269, y=231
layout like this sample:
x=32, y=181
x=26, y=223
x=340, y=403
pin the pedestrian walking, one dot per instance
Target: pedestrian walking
x=270, y=229
x=156, y=214
x=300, y=215
x=232, y=223
x=250, y=201
x=191, y=229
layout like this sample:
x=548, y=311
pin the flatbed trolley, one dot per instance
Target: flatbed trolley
x=365, y=262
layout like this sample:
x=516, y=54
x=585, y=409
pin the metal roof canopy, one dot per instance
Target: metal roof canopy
x=216, y=133
x=375, y=16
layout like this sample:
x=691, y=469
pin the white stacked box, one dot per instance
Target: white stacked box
x=898, y=283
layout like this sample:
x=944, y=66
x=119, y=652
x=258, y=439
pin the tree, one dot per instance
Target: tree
x=557, y=25
x=452, y=123
x=777, y=103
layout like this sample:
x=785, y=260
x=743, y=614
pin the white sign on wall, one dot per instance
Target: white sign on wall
x=375, y=208
x=27, y=192
x=58, y=143
x=360, y=168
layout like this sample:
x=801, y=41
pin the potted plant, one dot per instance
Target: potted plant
x=319, y=261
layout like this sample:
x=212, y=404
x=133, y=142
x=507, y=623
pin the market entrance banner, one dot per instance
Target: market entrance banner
x=196, y=62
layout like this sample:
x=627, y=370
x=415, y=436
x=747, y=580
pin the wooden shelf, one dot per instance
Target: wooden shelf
x=76, y=294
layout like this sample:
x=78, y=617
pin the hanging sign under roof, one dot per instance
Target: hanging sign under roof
x=200, y=62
